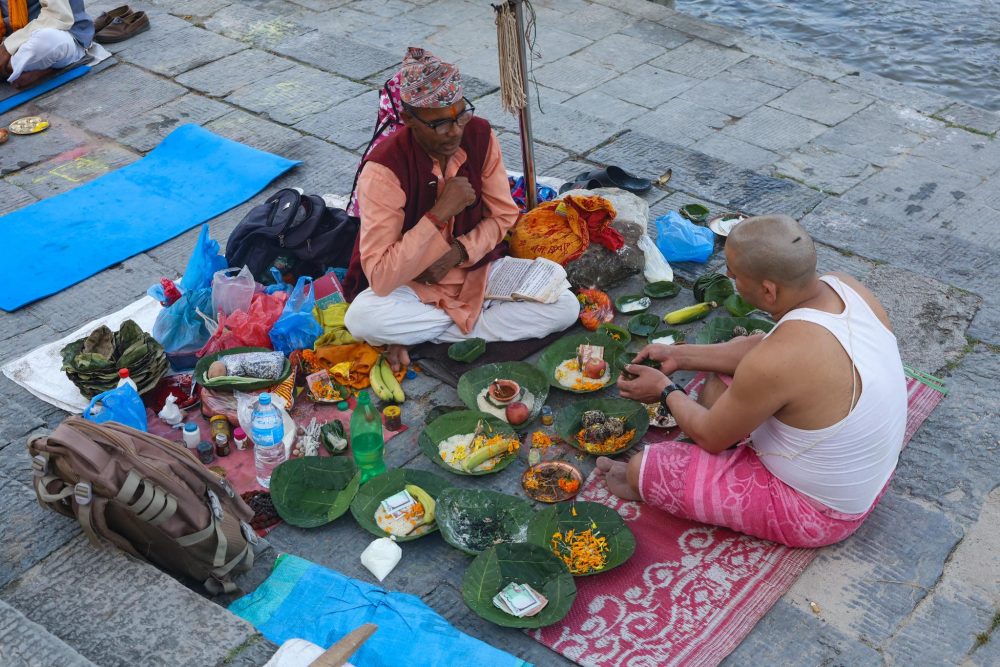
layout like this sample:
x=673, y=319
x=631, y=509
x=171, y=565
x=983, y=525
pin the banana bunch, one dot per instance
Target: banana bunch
x=384, y=383
x=424, y=499
x=690, y=314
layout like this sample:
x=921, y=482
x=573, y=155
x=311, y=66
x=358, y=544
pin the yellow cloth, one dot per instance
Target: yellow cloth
x=350, y=364
x=332, y=320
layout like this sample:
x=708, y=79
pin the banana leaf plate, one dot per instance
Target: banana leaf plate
x=459, y=422
x=472, y=520
x=619, y=335
x=632, y=303
x=565, y=348
x=528, y=564
x=472, y=384
x=660, y=334
x=236, y=383
x=377, y=489
x=314, y=490
x=720, y=329
x=663, y=289
x=644, y=325
x=569, y=421
x=580, y=517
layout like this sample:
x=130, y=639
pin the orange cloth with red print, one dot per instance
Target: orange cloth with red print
x=562, y=230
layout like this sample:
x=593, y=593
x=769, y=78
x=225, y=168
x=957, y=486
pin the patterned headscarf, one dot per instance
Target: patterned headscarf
x=428, y=82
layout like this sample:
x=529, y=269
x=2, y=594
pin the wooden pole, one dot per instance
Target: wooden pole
x=524, y=115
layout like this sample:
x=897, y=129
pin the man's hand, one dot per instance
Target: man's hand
x=456, y=196
x=664, y=355
x=440, y=268
x=5, y=69
x=647, y=385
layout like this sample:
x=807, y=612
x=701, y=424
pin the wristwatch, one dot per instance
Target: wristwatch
x=669, y=389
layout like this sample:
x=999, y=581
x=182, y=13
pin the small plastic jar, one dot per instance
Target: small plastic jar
x=547, y=416
x=393, y=417
x=192, y=435
x=205, y=453
x=240, y=438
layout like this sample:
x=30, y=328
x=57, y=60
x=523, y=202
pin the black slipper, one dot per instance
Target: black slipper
x=616, y=177
x=580, y=184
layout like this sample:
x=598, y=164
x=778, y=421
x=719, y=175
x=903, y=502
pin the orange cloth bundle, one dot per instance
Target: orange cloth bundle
x=347, y=364
x=562, y=230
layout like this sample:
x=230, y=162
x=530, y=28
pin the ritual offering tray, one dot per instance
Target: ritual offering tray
x=602, y=426
x=313, y=491
x=229, y=382
x=407, y=516
x=658, y=417
x=589, y=538
x=721, y=329
x=472, y=520
x=572, y=363
x=322, y=388
x=470, y=442
x=551, y=481
x=632, y=303
x=663, y=289
x=482, y=389
x=521, y=564
x=644, y=324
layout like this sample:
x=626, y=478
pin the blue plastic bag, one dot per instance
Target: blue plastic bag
x=179, y=326
x=204, y=262
x=680, y=240
x=297, y=328
x=122, y=404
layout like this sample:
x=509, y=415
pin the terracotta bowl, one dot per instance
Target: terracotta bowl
x=504, y=391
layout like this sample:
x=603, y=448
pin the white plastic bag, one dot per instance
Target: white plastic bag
x=657, y=267
x=381, y=556
x=171, y=414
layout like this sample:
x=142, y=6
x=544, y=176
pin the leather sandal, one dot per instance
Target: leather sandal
x=580, y=184
x=102, y=21
x=616, y=177
x=123, y=27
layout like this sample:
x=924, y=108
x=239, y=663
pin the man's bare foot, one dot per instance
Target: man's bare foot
x=30, y=78
x=616, y=476
x=398, y=357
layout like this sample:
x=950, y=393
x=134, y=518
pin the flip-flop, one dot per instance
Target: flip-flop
x=580, y=184
x=616, y=177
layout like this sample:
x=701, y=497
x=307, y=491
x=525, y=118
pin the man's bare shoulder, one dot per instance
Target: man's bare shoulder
x=867, y=295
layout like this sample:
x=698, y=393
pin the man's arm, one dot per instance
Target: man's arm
x=54, y=14
x=390, y=258
x=501, y=210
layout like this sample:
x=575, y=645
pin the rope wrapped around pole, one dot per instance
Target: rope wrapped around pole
x=513, y=57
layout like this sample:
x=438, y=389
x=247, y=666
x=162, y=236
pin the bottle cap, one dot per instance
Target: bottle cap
x=363, y=398
x=264, y=399
x=343, y=406
x=239, y=433
x=410, y=374
x=190, y=427
x=220, y=438
x=123, y=373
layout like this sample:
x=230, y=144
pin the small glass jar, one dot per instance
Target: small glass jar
x=205, y=454
x=547, y=416
x=393, y=417
x=221, y=444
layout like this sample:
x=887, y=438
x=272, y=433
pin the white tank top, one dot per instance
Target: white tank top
x=845, y=466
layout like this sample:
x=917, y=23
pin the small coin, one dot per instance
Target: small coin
x=29, y=125
x=3, y=135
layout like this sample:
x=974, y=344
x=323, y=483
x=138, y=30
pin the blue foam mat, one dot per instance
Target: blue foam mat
x=191, y=177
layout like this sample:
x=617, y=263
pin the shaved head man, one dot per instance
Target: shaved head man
x=822, y=398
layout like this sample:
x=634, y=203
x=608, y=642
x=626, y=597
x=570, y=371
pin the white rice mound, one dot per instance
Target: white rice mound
x=568, y=372
x=485, y=406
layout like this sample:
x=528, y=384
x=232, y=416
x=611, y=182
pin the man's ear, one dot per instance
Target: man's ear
x=769, y=289
x=407, y=118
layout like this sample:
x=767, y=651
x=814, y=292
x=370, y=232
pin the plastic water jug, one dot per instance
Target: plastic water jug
x=267, y=430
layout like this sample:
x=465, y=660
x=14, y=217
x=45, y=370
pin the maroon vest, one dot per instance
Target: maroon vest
x=413, y=167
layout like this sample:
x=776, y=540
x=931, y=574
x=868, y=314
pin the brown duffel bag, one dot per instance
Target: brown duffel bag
x=146, y=495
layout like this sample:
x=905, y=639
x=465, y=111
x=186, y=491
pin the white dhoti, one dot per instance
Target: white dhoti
x=400, y=318
x=46, y=48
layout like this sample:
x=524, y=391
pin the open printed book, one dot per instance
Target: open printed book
x=540, y=280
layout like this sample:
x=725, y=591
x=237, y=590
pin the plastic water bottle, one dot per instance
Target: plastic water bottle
x=124, y=379
x=267, y=430
x=367, y=443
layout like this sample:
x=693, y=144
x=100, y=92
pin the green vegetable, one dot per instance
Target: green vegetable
x=568, y=420
x=611, y=330
x=621, y=541
x=736, y=306
x=472, y=383
x=460, y=422
x=377, y=489
x=313, y=491
x=467, y=351
x=472, y=520
x=632, y=303
x=92, y=363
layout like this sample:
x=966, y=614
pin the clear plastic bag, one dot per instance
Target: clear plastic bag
x=232, y=290
x=121, y=404
x=297, y=327
x=681, y=240
x=657, y=268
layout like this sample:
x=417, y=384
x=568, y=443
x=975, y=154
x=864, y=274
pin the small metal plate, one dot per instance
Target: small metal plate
x=29, y=125
x=550, y=472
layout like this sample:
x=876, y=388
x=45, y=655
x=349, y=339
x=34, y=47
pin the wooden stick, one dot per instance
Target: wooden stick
x=339, y=653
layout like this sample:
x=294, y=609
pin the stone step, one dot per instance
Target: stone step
x=117, y=610
x=24, y=643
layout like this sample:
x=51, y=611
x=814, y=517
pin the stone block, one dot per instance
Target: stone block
x=768, y=71
x=943, y=631
x=289, y=97
x=794, y=57
x=546, y=157
x=657, y=33
x=388, y=9
x=342, y=56
x=971, y=221
x=648, y=86
x=871, y=135
x=553, y=43
x=700, y=29
x=349, y=124
x=12, y=198
x=907, y=94
x=29, y=531
x=774, y=129
x=730, y=94
x=823, y=169
x=24, y=341
x=200, y=47
x=602, y=105
x=699, y=59
x=148, y=130
x=822, y=101
x=83, y=582
x=262, y=29
x=570, y=169
x=223, y=76
x=188, y=9
x=737, y=152
x=60, y=139
x=962, y=150
x=72, y=168
x=592, y=21
x=253, y=130
x=446, y=14
x=963, y=115
x=24, y=643
x=680, y=122
x=621, y=53
x=394, y=36
x=161, y=23
x=573, y=75
x=920, y=183
x=570, y=129
x=325, y=168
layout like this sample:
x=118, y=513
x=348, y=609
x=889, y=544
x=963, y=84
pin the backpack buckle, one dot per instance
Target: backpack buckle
x=40, y=465
x=83, y=493
x=249, y=533
x=227, y=487
x=213, y=500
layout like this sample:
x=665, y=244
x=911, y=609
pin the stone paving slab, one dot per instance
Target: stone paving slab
x=774, y=129
x=223, y=76
x=341, y=56
x=699, y=59
x=262, y=29
x=290, y=96
x=72, y=168
x=145, y=132
x=12, y=198
x=349, y=124
x=200, y=47
x=680, y=122
x=24, y=643
x=30, y=532
x=871, y=135
x=731, y=94
x=822, y=101
x=648, y=86
x=824, y=169
x=768, y=71
x=963, y=115
x=23, y=151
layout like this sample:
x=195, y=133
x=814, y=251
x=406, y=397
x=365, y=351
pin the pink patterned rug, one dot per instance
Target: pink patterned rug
x=690, y=593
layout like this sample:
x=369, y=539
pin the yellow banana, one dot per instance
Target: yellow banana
x=391, y=383
x=690, y=313
x=378, y=384
x=484, y=454
x=424, y=499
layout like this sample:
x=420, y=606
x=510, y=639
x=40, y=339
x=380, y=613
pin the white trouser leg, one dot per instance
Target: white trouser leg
x=45, y=48
x=399, y=318
x=518, y=320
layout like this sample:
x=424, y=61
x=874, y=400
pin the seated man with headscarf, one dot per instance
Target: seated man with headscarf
x=435, y=206
x=41, y=36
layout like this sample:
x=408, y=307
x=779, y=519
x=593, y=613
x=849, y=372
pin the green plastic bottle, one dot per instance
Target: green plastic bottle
x=367, y=442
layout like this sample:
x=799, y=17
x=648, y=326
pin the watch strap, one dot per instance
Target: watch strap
x=669, y=389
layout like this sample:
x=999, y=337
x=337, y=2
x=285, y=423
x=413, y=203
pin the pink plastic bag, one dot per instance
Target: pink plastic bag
x=249, y=329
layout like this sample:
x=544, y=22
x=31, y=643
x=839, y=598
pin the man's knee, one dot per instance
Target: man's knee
x=359, y=319
x=565, y=310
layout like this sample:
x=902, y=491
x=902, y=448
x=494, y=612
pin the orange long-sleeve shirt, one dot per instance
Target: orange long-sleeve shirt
x=392, y=259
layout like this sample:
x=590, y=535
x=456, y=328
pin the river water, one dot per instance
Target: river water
x=950, y=48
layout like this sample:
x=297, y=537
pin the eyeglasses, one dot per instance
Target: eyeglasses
x=443, y=126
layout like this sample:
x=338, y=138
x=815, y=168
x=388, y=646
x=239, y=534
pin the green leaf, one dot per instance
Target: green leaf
x=565, y=348
x=663, y=289
x=100, y=341
x=377, y=489
x=701, y=285
x=639, y=303
x=472, y=383
x=128, y=334
x=720, y=329
x=456, y=423
x=228, y=382
x=568, y=420
x=559, y=518
x=467, y=350
x=618, y=335
x=314, y=490
x=736, y=306
x=719, y=291
x=472, y=520
x=644, y=325
x=524, y=564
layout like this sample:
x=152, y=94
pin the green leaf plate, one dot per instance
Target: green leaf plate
x=242, y=384
x=662, y=333
x=565, y=348
x=644, y=325
x=472, y=383
x=559, y=518
x=737, y=306
x=472, y=520
x=618, y=335
x=524, y=564
x=377, y=489
x=568, y=420
x=458, y=422
x=638, y=302
x=720, y=329
x=314, y=490
x=664, y=289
